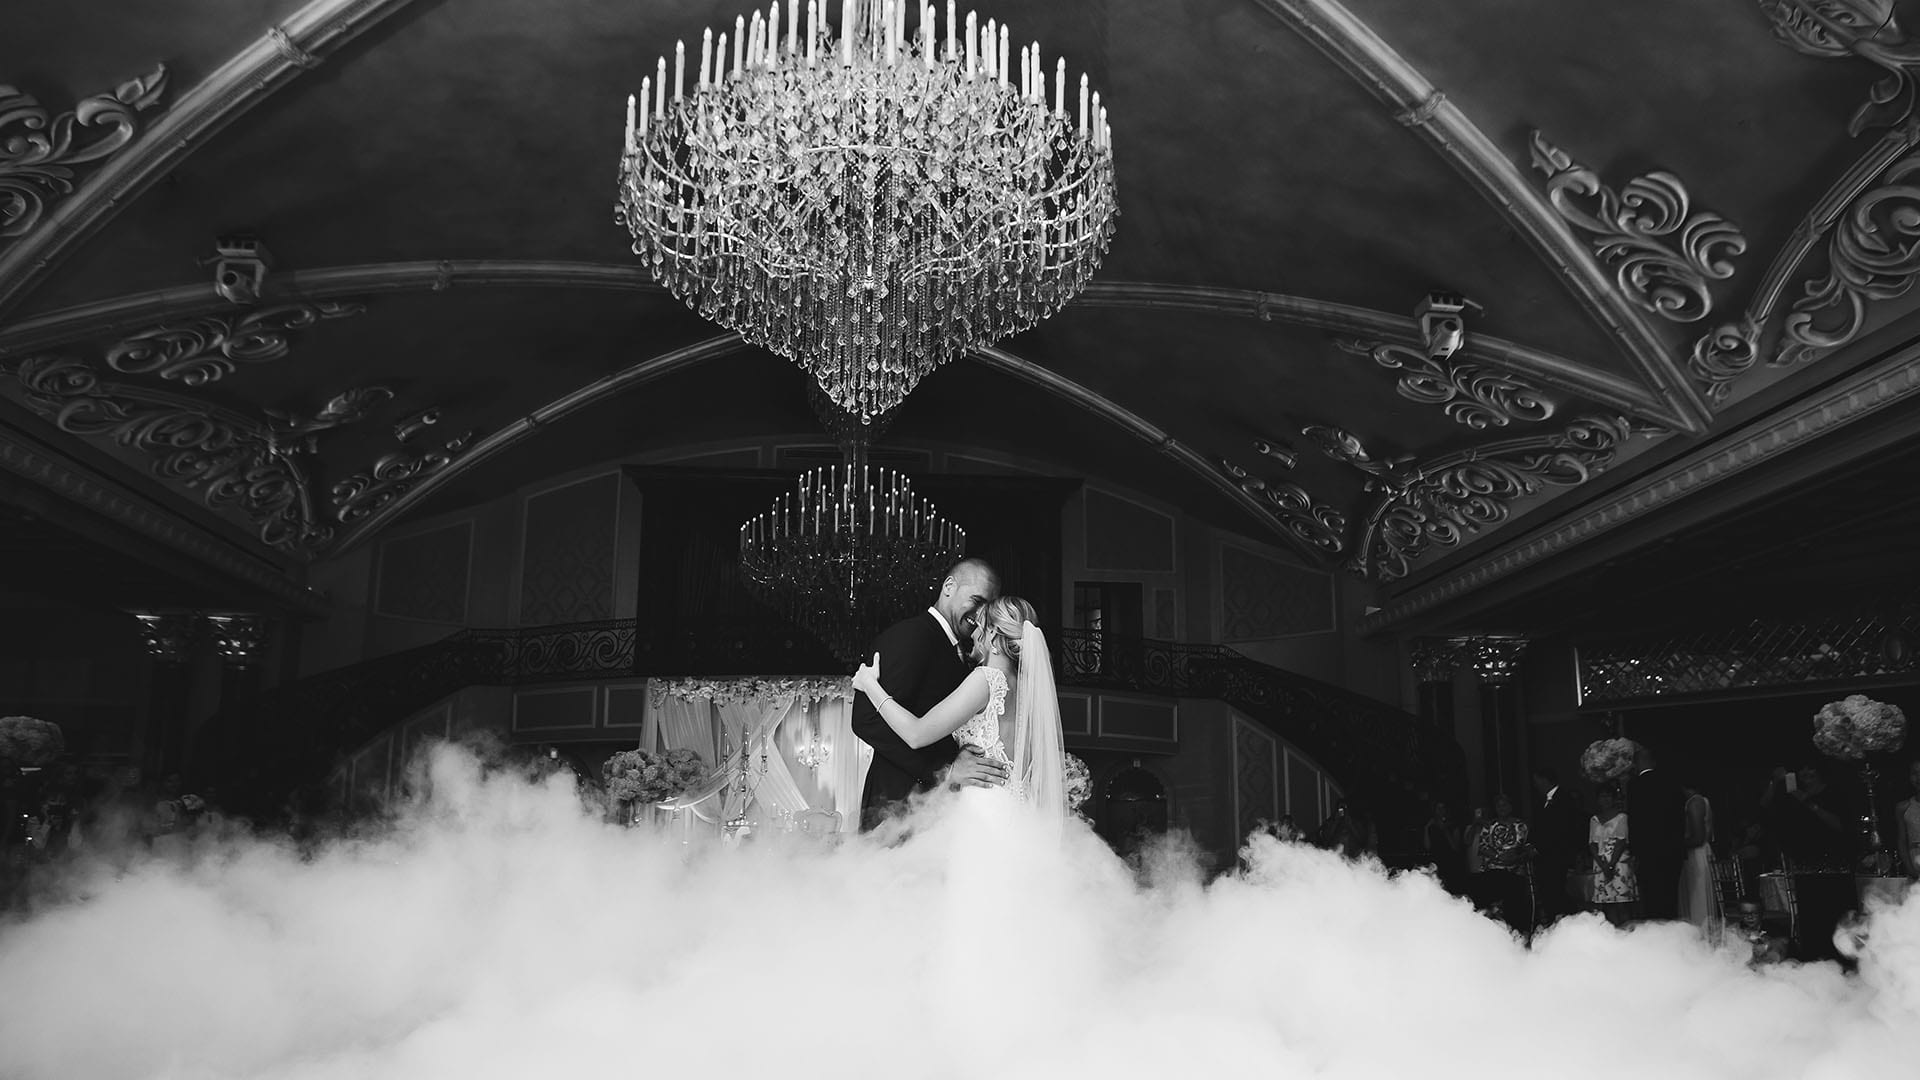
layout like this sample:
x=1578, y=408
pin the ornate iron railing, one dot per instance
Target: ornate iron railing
x=1755, y=655
x=1379, y=753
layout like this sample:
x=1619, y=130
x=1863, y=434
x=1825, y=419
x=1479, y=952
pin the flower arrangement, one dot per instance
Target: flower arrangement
x=642, y=776
x=1857, y=726
x=1079, y=783
x=1607, y=759
x=738, y=691
x=27, y=742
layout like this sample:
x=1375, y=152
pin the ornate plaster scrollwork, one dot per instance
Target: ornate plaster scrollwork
x=1723, y=354
x=206, y=349
x=1444, y=500
x=1469, y=393
x=1318, y=525
x=38, y=151
x=1873, y=254
x=1346, y=448
x=230, y=459
x=1867, y=29
x=1662, y=253
x=390, y=477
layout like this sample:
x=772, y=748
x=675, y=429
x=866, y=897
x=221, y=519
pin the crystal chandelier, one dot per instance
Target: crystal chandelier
x=849, y=551
x=870, y=205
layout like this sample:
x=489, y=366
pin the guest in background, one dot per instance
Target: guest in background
x=1616, y=887
x=1697, y=903
x=1445, y=848
x=1909, y=822
x=1559, y=836
x=1817, y=849
x=1658, y=813
x=1504, y=856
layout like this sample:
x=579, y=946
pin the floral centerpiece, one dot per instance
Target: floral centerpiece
x=642, y=777
x=1857, y=726
x=1607, y=759
x=1079, y=782
x=1850, y=729
x=29, y=743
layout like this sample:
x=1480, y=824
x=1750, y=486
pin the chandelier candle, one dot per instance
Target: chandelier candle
x=874, y=218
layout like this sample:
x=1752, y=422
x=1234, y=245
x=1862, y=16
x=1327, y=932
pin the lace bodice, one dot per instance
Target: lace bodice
x=982, y=731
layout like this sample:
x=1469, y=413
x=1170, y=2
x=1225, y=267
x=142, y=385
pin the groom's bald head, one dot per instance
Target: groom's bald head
x=970, y=585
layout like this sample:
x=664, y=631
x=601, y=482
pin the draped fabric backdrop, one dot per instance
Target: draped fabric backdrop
x=761, y=726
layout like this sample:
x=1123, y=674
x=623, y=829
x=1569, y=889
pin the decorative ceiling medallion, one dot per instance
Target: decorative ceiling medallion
x=1315, y=524
x=390, y=477
x=230, y=459
x=206, y=349
x=1868, y=29
x=1345, y=447
x=1445, y=500
x=1469, y=393
x=1873, y=254
x=1633, y=232
x=38, y=152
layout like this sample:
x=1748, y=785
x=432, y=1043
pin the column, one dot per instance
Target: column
x=1495, y=659
x=169, y=638
x=239, y=640
x=1435, y=662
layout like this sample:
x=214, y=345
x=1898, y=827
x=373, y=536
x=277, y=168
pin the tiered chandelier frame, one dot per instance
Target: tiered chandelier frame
x=851, y=549
x=870, y=205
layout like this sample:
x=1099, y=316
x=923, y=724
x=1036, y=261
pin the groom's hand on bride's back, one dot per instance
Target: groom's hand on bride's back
x=971, y=768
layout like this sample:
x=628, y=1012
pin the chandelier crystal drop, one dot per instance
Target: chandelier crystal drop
x=849, y=551
x=869, y=205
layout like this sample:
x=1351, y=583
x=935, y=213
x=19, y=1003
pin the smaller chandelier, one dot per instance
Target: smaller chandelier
x=852, y=549
x=869, y=205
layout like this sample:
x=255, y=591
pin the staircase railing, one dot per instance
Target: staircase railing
x=1380, y=754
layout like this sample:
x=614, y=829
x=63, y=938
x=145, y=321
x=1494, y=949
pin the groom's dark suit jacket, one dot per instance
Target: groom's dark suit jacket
x=919, y=667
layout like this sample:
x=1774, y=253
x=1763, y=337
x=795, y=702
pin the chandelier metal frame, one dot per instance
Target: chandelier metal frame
x=871, y=205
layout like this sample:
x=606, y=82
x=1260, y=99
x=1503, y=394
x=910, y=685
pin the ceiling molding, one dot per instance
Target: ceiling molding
x=1376, y=326
x=1054, y=383
x=713, y=348
x=115, y=502
x=143, y=310
x=278, y=57
x=1859, y=396
x=1352, y=44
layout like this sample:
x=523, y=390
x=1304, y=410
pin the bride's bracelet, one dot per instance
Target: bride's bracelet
x=882, y=703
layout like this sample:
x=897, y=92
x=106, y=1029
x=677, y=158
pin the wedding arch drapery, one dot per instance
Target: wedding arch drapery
x=752, y=732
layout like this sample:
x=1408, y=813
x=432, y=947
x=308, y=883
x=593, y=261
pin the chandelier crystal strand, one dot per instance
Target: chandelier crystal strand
x=869, y=205
x=851, y=549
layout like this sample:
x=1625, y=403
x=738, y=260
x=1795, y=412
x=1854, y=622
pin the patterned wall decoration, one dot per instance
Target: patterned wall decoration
x=569, y=551
x=424, y=576
x=1303, y=782
x=253, y=466
x=39, y=151
x=1256, y=778
x=1154, y=720
x=1124, y=535
x=1662, y=252
x=1469, y=394
x=1262, y=597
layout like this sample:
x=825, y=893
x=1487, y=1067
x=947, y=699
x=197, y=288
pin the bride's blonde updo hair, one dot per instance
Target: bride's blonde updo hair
x=1001, y=620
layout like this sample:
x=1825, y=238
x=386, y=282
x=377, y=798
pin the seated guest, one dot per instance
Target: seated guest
x=1504, y=853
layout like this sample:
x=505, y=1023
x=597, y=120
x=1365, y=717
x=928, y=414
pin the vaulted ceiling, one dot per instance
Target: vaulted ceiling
x=1689, y=227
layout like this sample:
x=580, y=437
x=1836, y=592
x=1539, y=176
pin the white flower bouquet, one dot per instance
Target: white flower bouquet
x=641, y=776
x=1607, y=759
x=1857, y=726
x=1079, y=783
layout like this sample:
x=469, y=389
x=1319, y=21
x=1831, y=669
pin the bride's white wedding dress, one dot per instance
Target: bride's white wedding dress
x=981, y=733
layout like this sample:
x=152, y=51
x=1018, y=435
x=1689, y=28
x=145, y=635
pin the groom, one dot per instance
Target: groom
x=922, y=659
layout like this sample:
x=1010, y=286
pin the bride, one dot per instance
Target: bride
x=1023, y=734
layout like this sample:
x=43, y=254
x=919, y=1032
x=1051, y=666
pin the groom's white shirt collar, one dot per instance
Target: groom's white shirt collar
x=952, y=638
